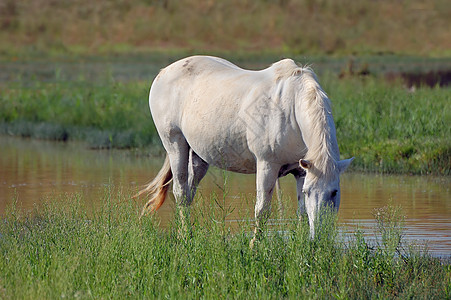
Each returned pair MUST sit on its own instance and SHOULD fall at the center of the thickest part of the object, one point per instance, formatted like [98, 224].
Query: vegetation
[40, 27]
[60, 250]
[391, 129]
[106, 115]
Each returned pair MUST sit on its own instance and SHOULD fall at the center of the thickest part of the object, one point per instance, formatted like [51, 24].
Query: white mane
[285, 69]
[322, 146]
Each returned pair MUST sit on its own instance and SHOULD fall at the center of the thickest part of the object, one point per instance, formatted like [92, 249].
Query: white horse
[272, 122]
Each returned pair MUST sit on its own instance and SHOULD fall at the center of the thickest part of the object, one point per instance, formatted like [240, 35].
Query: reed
[62, 250]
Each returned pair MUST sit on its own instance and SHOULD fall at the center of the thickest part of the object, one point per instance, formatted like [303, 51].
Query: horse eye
[333, 194]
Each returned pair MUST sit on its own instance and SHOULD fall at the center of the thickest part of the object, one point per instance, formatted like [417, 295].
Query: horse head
[321, 190]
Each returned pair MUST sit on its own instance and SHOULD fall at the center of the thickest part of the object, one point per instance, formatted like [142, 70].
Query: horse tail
[158, 188]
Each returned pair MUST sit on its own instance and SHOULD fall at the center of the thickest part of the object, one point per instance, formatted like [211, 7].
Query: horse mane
[285, 69]
[322, 146]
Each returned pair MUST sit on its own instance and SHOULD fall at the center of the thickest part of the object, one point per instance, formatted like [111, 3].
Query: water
[35, 171]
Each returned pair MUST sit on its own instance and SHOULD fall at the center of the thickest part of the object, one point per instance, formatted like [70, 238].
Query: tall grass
[60, 250]
[109, 114]
[391, 129]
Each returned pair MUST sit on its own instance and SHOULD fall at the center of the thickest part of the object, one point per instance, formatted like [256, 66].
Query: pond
[34, 171]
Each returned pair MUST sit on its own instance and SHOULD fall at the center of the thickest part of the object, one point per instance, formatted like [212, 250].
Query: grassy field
[106, 115]
[47, 27]
[61, 251]
[387, 127]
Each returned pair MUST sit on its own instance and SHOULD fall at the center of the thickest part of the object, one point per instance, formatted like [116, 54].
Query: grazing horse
[271, 122]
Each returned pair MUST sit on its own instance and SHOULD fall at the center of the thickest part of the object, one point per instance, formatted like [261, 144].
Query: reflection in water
[34, 170]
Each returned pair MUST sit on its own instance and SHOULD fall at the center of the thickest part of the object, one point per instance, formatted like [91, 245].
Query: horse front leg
[301, 201]
[267, 174]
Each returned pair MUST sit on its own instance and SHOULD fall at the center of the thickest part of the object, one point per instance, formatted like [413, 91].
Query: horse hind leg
[178, 152]
[188, 170]
[197, 168]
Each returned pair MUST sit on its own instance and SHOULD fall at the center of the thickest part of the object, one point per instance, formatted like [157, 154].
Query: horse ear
[305, 164]
[344, 164]
[297, 72]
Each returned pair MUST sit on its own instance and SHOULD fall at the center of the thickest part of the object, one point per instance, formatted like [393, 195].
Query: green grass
[390, 129]
[61, 250]
[106, 115]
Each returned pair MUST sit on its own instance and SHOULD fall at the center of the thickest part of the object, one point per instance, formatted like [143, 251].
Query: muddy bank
[440, 78]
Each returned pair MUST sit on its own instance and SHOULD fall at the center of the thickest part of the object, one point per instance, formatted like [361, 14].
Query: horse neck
[314, 117]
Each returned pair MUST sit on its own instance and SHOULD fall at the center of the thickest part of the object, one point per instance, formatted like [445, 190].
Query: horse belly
[220, 141]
